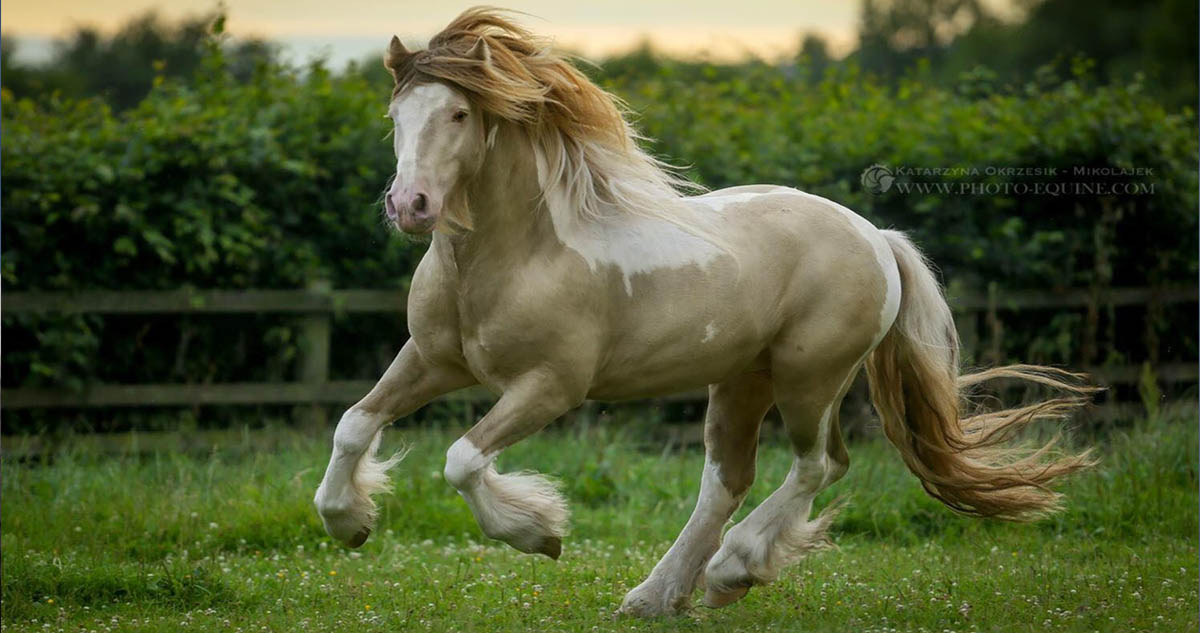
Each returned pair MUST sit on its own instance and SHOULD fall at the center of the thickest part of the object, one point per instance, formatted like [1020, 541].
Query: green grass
[229, 541]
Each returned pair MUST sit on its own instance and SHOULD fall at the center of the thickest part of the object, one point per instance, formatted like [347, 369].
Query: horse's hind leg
[735, 412]
[779, 531]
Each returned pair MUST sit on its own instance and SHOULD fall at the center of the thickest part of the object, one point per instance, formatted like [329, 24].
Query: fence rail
[319, 298]
[662, 437]
[186, 301]
[315, 307]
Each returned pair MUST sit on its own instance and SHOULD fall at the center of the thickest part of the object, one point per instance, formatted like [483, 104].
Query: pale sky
[352, 29]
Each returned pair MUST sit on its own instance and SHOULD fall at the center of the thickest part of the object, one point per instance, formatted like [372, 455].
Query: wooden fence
[976, 316]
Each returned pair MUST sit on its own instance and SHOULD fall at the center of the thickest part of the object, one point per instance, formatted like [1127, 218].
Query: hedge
[277, 181]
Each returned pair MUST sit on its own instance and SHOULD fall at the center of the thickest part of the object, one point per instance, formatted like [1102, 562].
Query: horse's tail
[960, 458]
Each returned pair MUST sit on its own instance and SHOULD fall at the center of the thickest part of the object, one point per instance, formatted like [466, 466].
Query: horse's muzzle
[416, 216]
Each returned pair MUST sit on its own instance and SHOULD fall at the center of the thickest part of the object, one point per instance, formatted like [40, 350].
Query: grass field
[229, 541]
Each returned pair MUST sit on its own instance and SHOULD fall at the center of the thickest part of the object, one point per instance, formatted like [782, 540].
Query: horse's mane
[589, 158]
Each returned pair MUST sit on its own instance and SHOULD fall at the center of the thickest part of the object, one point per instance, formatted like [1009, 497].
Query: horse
[566, 263]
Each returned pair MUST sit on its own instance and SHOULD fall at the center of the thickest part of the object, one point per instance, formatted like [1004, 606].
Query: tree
[814, 52]
[894, 34]
[1124, 38]
[122, 68]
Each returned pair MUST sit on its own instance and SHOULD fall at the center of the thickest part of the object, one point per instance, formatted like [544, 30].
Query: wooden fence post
[995, 326]
[967, 324]
[315, 330]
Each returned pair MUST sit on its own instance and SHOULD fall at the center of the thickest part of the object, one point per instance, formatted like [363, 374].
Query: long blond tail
[963, 459]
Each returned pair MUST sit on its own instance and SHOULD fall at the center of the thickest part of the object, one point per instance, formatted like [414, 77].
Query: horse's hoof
[644, 611]
[551, 546]
[718, 599]
[358, 539]
[647, 600]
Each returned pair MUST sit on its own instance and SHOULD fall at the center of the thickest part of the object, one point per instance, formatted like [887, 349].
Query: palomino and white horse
[566, 264]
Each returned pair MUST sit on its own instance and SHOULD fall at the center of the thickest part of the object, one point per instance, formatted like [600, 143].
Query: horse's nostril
[418, 203]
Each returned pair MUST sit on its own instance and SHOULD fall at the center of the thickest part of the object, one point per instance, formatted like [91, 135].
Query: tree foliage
[122, 67]
[1124, 38]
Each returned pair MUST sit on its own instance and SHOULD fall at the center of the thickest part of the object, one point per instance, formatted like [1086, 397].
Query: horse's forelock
[514, 75]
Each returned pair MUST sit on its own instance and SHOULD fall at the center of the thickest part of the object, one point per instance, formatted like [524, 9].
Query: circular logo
[877, 179]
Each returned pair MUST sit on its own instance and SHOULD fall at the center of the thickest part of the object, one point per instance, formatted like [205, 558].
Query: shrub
[276, 181]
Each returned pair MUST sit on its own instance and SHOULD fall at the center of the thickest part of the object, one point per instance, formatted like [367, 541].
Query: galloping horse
[568, 264]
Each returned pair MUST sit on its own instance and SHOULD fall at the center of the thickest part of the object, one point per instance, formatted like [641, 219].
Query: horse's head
[481, 74]
[439, 140]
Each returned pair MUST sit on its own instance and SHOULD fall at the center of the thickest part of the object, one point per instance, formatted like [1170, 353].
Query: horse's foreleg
[735, 412]
[354, 474]
[524, 510]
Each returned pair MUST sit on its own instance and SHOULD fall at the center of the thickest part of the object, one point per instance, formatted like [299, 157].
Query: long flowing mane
[588, 153]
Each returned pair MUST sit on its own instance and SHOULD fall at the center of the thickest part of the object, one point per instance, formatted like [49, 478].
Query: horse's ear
[480, 50]
[396, 57]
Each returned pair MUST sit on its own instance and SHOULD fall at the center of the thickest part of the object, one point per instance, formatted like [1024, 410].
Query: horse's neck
[504, 200]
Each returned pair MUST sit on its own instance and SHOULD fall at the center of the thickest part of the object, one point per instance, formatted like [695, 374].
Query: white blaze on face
[437, 141]
[412, 112]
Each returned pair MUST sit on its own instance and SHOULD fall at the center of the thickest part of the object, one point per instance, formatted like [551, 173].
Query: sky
[342, 30]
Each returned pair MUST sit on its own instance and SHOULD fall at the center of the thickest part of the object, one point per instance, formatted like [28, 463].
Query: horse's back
[820, 245]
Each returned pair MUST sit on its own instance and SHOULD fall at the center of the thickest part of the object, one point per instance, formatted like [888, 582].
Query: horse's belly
[640, 367]
[685, 328]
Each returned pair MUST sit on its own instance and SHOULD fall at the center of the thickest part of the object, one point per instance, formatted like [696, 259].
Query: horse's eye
[460, 116]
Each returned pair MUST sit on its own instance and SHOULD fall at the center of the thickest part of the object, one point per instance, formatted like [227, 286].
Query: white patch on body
[521, 509]
[355, 430]
[354, 474]
[632, 243]
[710, 332]
[718, 201]
[768, 539]
[464, 463]
[672, 580]
[713, 493]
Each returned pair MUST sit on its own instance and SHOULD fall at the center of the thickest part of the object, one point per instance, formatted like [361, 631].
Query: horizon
[350, 31]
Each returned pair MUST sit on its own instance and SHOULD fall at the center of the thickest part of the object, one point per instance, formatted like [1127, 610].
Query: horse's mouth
[415, 225]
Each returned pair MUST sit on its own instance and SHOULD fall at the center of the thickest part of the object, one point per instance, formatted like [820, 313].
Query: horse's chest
[494, 357]
[496, 338]
[511, 328]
